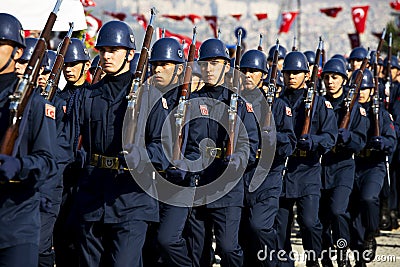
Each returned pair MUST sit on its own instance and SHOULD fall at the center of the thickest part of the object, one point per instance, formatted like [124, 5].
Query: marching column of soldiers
[251, 145]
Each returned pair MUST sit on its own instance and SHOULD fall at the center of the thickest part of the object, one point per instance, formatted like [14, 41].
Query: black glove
[177, 173]
[305, 142]
[232, 162]
[9, 168]
[344, 135]
[377, 143]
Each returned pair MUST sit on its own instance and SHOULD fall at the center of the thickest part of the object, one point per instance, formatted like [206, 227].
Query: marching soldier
[338, 165]
[302, 182]
[114, 211]
[205, 153]
[370, 173]
[76, 64]
[355, 58]
[34, 162]
[261, 206]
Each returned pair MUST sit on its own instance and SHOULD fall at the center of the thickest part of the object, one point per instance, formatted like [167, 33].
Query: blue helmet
[310, 55]
[11, 30]
[30, 44]
[134, 62]
[279, 78]
[295, 61]
[49, 60]
[167, 49]
[116, 33]
[335, 65]
[358, 53]
[341, 57]
[213, 48]
[367, 80]
[254, 59]
[281, 52]
[394, 62]
[76, 52]
[94, 62]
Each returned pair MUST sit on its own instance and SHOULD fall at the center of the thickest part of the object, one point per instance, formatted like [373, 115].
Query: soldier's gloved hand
[377, 143]
[268, 136]
[305, 142]
[177, 173]
[9, 168]
[344, 135]
[132, 159]
[233, 161]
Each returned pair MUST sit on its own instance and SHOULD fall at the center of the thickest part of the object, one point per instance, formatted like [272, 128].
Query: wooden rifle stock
[135, 93]
[260, 43]
[26, 85]
[272, 86]
[181, 111]
[232, 111]
[310, 98]
[97, 73]
[52, 82]
[353, 93]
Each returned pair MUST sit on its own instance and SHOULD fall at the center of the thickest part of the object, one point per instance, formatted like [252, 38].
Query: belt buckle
[214, 152]
[302, 153]
[109, 162]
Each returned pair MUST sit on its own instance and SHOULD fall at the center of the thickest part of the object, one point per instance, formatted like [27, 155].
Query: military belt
[215, 152]
[300, 153]
[365, 153]
[104, 162]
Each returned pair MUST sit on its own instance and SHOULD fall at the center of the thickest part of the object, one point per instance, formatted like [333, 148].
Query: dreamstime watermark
[296, 256]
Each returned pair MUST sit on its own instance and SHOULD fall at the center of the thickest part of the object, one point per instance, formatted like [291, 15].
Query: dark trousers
[310, 226]
[46, 253]
[172, 245]
[225, 221]
[112, 245]
[20, 255]
[257, 233]
[334, 215]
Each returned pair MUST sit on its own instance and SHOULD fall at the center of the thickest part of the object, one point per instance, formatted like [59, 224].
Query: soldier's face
[295, 79]
[213, 71]
[253, 78]
[355, 64]
[333, 84]
[44, 76]
[365, 95]
[20, 67]
[74, 71]
[113, 58]
[165, 73]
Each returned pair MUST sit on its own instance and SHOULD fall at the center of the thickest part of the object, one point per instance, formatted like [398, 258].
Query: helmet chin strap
[123, 63]
[10, 59]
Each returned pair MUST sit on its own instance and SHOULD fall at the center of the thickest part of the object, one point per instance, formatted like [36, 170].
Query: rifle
[352, 95]
[97, 73]
[260, 43]
[52, 82]
[20, 97]
[135, 93]
[294, 47]
[272, 86]
[388, 83]
[321, 83]
[180, 115]
[232, 111]
[309, 101]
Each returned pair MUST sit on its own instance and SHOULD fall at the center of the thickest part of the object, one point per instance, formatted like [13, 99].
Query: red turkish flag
[236, 16]
[93, 25]
[174, 17]
[118, 15]
[212, 20]
[287, 20]
[359, 14]
[194, 18]
[141, 19]
[354, 40]
[87, 3]
[331, 12]
[181, 39]
[261, 16]
[395, 5]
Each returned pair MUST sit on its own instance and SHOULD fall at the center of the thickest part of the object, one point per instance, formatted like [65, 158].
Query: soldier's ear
[131, 55]
[87, 66]
[179, 69]
[18, 53]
